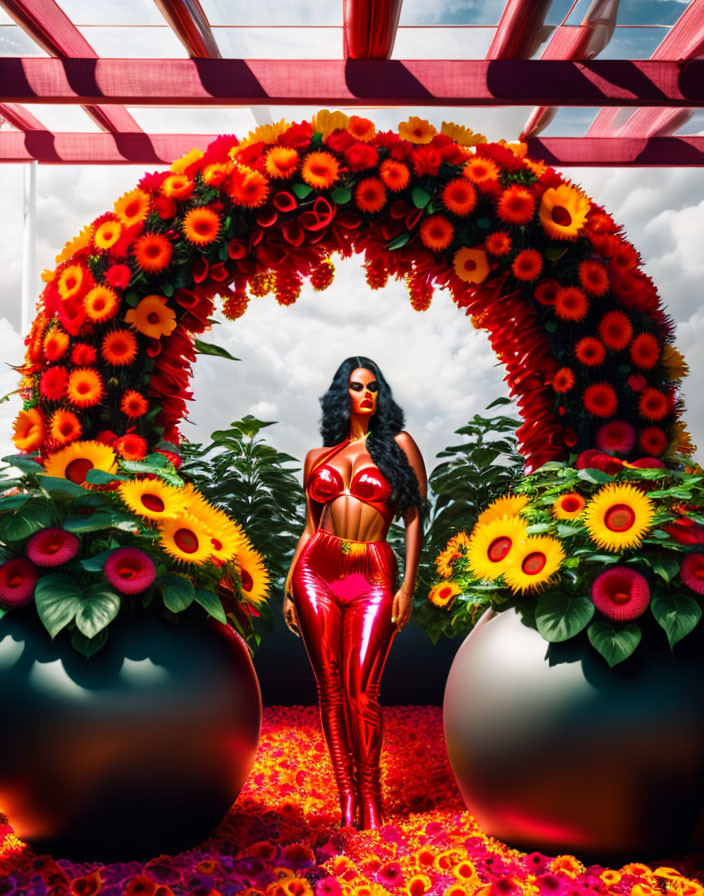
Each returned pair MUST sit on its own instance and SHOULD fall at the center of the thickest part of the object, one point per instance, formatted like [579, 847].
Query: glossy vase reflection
[554, 751]
[138, 751]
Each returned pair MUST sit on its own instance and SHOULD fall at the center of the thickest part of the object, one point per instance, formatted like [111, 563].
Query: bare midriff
[348, 517]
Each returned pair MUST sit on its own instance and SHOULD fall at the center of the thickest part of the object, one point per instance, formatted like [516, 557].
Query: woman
[340, 592]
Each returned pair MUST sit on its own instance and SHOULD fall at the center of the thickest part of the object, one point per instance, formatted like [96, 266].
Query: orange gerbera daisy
[213, 175]
[28, 430]
[153, 252]
[107, 234]
[394, 174]
[645, 351]
[480, 170]
[653, 404]
[361, 128]
[370, 195]
[459, 196]
[615, 330]
[590, 351]
[600, 400]
[281, 161]
[248, 188]
[471, 265]
[72, 281]
[65, 427]
[320, 169]
[563, 380]
[416, 130]
[133, 207]
[85, 387]
[201, 226]
[119, 347]
[498, 243]
[527, 265]
[177, 186]
[55, 343]
[101, 303]
[152, 317]
[516, 205]
[571, 303]
[436, 232]
[569, 506]
[563, 212]
[133, 404]
[593, 277]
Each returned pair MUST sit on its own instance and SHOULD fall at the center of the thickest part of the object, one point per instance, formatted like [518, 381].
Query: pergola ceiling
[641, 105]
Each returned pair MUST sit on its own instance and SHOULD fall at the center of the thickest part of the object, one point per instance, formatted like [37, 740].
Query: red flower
[652, 440]
[361, 156]
[600, 400]
[341, 140]
[653, 404]
[692, 571]
[527, 265]
[52, 547]
[615, 330]
[593, 277]
[616, 437]
[546, 292]
[590, 351]
[645, 351]
[118, 276]
[18, 578]
[426, 160]
[297, 136]
[621, 593]
[685, 531]
[131, 447]
[53, 383]
[130, 570]
[83, 355]
[563, 380]
[597, 460]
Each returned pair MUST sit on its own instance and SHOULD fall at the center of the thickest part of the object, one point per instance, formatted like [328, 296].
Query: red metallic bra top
[325, 483]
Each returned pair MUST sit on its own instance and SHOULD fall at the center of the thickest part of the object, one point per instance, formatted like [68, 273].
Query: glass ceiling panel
[263, 12]
[60, 118]
[165, 120]
[126, 12]
[634, 43]
[14, 42]
[458, 42]
[135, 43]
[451, 12]
[279, 43]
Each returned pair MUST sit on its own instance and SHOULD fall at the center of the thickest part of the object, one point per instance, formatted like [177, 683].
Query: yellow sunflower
[225, 534]
[416, 130]
[563, 212]
[265, 133]
[674, 362]
[460, 134]
[534, 562]
[180, 165]
[455, 547]
[133, 207]
[254, 575]
[185, 538]
[152, 498]
[506, 505]
[442, 594]
[76, 244]
[152, 317]
[74, 461]
[107, 234]
[326, 122]
[492, 545]
[568, 507]
[618, 516]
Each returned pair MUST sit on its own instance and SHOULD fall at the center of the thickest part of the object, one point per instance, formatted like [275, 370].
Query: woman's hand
[401, 607]
[290, 616]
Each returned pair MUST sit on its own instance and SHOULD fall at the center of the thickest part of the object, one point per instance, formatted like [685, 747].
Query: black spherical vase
[139, 750]
[554, 751]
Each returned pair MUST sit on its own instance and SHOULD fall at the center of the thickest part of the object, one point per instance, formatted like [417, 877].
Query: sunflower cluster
[591, 546]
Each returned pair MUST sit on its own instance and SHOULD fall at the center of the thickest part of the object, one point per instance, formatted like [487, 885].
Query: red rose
[251, 154]
[597, 460]
[106, 436]
[426, 160]
[131, 446]
[165, 206]
[83, 355]
[118, 276]
[339, 140]
[297, 136]
[361, 156]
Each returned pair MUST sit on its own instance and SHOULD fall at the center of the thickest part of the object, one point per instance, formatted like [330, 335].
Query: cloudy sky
[441, 370]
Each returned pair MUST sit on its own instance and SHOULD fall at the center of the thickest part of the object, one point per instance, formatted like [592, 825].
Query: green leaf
[89, 646]
[400, 240]
[177, 593]
[594, 476]
[614, 644]
[207, 348]
[420, 197]
[12, 503]
[98, 609]
[102, 477]
[341, 196]
[31, 518]
[52, 484]
[561, 616]
[211, 602]
[484, 223]
[102, 519]
[565, 530]
[302, 190]
[2, 612]
[132, 299]
[499, 402]
[665, 566]
[678, 614]
[141, 466]
[24, 462]
[96, 563]
[551, 326]
[58, 599]
[554, 253]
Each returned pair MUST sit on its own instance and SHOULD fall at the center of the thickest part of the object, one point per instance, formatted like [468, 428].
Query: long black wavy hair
[385, 423]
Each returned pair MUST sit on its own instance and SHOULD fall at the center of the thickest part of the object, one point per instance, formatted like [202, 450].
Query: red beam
[519, 30]
[191, 26]
[369, 28]
[162, 149]
[19, 117]
[352, 82]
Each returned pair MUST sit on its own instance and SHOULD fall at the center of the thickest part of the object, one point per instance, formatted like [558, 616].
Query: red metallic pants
[343, 592]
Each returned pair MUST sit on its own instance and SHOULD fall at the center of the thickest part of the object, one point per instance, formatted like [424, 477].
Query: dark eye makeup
[359, 387]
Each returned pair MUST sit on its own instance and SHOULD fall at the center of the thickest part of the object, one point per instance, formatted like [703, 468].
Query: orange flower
[134, 404]
[600, 400]
[152, 317]
[320, 169]
[615, 330]
[480, 170]
[72, 281]
[119, 347]
[201, 226]
[471, 265]
[281, 161]
[107, 234]
[29, 430]
[590, 351]
[248, 188]
[132, 208]
[498, 243]
[516, 205]
[571, 303]
[653, 404]
[213, 175]
[563, 212]
[527, 265]
[370, 195]
[546, 292]
[563, 380]
[178, 186]
[85, 387]
[55, 344]
[459, 196]
[653, 441]
[361, 128]
[153, 252]
[394, 174]
[65, 427]
[101, 303]
[416, 130]
[436, 232]
[645, 351]
[593, 277]
[569, 506]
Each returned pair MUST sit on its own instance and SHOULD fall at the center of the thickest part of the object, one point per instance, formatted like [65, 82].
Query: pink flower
[597, 460]
[18, 578]
[52, 547]
[692, 571]
[621, 593]
[130, 570]
[616, 437]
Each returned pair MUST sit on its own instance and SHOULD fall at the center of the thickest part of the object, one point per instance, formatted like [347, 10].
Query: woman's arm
[414, 533]
[312, 518]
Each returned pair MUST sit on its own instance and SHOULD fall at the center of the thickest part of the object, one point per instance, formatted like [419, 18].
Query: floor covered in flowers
[282, 837]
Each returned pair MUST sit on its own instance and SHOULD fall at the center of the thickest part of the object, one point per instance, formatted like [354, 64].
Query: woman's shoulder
[311, 459]
[405, 441]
